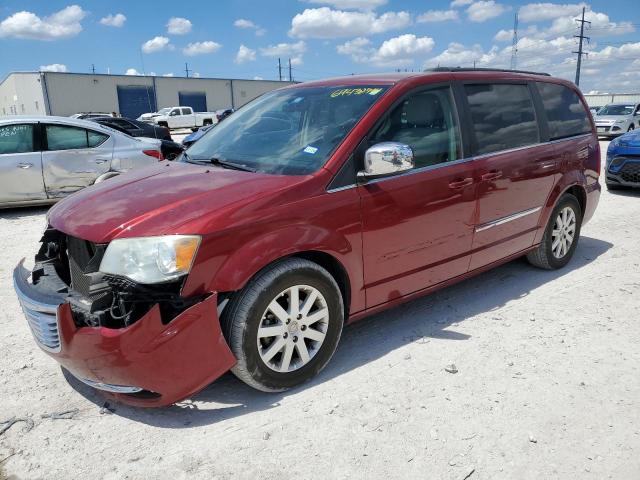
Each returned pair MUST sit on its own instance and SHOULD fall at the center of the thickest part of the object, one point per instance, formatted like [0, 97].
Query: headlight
[151, 259]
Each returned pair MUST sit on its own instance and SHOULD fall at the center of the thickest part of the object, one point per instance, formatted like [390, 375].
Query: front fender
[231, 272]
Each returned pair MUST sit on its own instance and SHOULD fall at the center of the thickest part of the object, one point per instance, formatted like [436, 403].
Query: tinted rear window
[503, 116]
[566, 114]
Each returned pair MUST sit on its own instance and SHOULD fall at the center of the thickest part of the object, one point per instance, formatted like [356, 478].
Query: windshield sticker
[345, 92]
[310, 150]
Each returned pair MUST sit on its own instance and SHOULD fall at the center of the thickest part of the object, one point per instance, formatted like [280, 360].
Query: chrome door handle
[492, 175]
[25, 165]
[465, 182]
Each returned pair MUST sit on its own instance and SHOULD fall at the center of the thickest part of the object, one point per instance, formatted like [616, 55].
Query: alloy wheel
[293, 328]
[563, 232]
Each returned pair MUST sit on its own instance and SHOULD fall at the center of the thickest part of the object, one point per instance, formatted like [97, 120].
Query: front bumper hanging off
[147, 364]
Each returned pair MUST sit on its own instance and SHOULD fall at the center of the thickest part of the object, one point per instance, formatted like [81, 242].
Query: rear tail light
[154, 153]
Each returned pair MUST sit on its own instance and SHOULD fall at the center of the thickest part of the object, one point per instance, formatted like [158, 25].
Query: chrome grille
[43, 321]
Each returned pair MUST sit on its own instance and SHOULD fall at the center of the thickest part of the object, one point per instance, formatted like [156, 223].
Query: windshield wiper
[231, 165]
[187, 158]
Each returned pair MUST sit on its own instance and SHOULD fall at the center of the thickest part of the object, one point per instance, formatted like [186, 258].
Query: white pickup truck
[179, 117]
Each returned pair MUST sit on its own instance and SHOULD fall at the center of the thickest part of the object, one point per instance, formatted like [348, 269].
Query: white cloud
[54, 67]
[327, 23]
[601, 25]
[170, 74]
[394, 52]
[460, 3]
[284, 49]
[132, 71]
[482, 11]
[433, 16]
[62, 24]
[352, 4]
[536, 12]
[116, 20]
[244, 23]
[156, 44]
[245, 54]
[258, 78]
[178, 26]
[201, 48]
[196, 75]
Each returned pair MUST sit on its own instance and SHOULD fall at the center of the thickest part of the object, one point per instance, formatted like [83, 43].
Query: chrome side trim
[108, 387]
[507, 219]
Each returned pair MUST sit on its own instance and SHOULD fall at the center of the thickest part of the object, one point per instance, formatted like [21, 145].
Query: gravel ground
[548, 386]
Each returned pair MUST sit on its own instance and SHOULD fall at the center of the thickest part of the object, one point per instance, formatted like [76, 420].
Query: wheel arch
[573, 183]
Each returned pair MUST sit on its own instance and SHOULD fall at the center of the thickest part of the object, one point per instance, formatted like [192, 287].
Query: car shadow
[367, 340]
[23, 212]
[626, 192]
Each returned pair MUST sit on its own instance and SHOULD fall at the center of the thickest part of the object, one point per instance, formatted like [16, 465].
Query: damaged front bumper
[148, 363]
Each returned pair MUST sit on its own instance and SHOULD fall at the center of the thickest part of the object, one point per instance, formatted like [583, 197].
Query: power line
[580, 52]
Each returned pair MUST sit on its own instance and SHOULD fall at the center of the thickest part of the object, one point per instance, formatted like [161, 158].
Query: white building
[63, 94]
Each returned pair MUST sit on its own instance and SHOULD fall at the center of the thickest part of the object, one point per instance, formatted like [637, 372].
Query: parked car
[135, 128]
[224, 113]
[193, 137]
[89, 115]
[43, 159]
[180, 117]
[313, 206]
[170, 149]
[617, 118]
[623, 162]
[594, 110]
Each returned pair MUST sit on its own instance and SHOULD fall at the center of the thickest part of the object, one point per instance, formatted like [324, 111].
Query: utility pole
[580, 52]
[514, 44]
[186, 69]
[279, 70]
[93, 69]
[290, 74]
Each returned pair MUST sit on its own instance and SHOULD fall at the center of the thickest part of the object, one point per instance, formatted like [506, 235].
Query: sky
[323, 38]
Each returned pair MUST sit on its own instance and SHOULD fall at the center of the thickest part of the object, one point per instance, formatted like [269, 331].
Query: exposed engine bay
[70, 266]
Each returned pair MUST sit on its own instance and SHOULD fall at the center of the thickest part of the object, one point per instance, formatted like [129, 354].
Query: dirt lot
[548, 386]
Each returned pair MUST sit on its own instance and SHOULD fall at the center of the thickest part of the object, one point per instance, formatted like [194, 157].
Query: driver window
[426, 121]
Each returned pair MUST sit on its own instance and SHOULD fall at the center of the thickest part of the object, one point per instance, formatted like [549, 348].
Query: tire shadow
[367, 340]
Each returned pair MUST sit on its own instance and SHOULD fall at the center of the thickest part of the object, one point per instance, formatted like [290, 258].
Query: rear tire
[276, 339]
[561, 235]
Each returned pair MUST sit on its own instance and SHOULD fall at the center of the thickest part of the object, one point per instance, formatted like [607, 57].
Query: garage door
[195, 100]
[134, 100]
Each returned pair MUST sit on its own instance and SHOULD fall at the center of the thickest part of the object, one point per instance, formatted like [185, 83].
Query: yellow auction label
[344, 92]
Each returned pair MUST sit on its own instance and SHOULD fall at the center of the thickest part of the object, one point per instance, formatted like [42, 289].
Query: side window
[95, 139]
[16, 138]
[175, 112]
[503, 116]
[427, 122]
[565, 113]
[186, 111]
[61, 137]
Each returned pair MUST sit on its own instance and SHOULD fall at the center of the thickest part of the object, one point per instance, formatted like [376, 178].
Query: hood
[167, 198]
[630, 139]
[610, 118]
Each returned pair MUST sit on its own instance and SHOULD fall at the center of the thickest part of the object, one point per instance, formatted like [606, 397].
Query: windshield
[616, 110]
[164, 111]
[290, 132]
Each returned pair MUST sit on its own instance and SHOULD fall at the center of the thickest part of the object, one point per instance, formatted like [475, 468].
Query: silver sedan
[43, 159]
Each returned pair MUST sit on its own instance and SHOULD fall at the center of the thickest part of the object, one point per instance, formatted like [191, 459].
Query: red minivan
[311, 207]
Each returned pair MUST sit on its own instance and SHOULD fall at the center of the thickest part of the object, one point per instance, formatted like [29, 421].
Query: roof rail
[472, 69]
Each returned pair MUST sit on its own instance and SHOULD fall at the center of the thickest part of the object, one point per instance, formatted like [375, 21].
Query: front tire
[284, 326]
[561, 235]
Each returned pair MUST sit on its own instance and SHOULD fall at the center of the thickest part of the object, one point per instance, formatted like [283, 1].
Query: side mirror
[386, 158]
